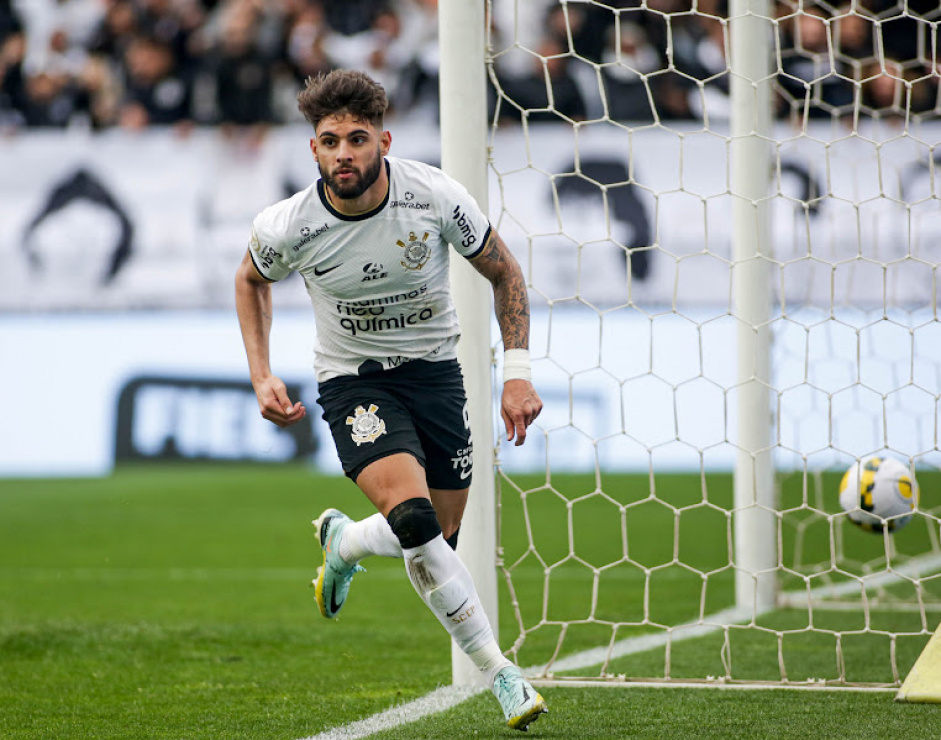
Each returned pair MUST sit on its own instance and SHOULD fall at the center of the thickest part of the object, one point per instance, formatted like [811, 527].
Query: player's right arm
[253, 305]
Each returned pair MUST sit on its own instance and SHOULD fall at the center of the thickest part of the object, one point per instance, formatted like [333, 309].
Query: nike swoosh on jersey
[319, 273]
[451, 614]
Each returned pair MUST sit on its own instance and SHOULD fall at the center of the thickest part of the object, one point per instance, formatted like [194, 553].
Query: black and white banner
[154, 221]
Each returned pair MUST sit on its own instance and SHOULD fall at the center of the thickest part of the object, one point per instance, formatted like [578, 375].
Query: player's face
[349, 152]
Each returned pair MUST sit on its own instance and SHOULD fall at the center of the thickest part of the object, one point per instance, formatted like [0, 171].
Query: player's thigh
[367, 423]
[391, 480]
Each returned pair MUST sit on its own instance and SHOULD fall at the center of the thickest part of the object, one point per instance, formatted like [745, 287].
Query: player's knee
[414, 522]
[452, 540]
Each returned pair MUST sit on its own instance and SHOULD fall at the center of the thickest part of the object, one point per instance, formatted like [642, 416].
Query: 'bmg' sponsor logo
[468, 232]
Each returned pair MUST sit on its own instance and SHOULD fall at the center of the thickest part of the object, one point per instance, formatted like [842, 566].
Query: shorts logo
[367, 427]
[463, 462]
[417, 251]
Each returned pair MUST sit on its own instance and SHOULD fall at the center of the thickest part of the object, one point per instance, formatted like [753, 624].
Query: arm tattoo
[511, 301]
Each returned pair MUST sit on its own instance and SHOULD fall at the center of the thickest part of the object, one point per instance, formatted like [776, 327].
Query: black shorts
[419, 407]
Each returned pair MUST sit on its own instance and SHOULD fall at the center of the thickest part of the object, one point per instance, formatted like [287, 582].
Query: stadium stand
[135, 63]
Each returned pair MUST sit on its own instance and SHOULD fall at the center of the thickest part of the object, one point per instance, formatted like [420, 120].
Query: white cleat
[521, 703]
[333, 579]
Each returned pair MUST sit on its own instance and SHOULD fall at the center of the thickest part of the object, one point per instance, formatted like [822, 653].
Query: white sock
[490, 661]
[369, 536]
[446, 586]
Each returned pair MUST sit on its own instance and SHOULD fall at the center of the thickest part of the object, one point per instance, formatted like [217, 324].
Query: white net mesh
[612, 133]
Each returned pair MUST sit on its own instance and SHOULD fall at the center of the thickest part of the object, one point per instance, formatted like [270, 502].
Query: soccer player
[370, 239]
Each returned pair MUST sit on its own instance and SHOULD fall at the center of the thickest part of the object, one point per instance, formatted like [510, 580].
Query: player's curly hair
[343, 91]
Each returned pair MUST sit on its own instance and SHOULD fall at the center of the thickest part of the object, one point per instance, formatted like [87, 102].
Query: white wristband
[516, 365]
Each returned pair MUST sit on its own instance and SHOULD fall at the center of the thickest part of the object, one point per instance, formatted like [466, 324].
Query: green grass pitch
[174, 603]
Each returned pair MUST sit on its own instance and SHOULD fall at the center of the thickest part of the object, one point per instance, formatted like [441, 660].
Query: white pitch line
[446, 697]
[439, 700]
[910, 569]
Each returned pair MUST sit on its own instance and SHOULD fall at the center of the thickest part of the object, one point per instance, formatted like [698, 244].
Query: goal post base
[714, 684]
[923, 683]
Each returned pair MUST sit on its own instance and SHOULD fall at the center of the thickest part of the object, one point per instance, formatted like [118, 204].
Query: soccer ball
[879, 493]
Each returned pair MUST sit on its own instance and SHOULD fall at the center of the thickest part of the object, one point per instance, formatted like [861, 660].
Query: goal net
[728, 217]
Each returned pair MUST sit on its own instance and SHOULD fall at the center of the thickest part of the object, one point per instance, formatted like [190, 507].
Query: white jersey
[378, 281]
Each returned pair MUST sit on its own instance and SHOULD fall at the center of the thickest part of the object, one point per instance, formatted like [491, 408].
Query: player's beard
[355, 188]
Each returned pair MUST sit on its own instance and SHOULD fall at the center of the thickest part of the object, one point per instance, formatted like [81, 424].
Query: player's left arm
[520, 403]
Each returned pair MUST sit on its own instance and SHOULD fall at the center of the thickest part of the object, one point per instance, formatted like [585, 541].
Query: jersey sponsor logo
[468, 231]
[409, 202]
[374, 271]
[376, 306]
[379, 314]
[321, 273]
[367, 427]
[307, 235]
[265, 253]
[382, 322]
[399, 360]
[417, 252]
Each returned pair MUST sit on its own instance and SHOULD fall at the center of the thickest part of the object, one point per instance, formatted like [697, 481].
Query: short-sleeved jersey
[378, 281]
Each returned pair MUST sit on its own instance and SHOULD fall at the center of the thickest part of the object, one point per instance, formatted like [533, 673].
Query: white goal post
[463, 106]
[749, 184]
[729, 221]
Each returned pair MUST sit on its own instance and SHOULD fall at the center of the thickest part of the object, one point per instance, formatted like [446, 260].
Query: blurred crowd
[240, 63]
[652, 60]
[134, 63]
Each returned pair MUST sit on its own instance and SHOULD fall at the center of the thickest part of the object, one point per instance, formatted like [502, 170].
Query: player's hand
[521, 405]
[274, 403]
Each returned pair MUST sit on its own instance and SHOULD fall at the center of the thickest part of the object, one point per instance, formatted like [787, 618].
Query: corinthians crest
[416, 251]
[367, 427]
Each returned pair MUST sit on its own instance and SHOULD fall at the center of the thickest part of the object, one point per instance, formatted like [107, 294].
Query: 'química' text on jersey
[378, 281]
